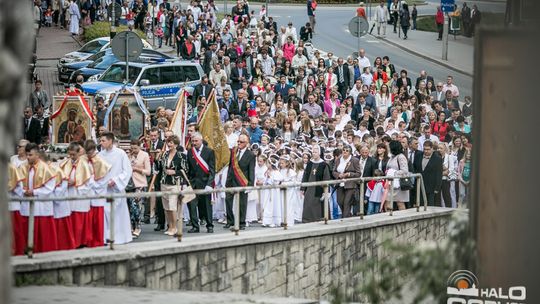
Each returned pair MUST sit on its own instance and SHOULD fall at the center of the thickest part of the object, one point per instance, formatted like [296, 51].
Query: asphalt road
[332, 35]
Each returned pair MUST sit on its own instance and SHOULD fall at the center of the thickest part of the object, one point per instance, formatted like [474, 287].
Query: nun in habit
[316, 170]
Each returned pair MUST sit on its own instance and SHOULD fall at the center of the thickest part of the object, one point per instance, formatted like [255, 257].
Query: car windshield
[96, 56]
[92, 46]
[103, 63]
[117, 73]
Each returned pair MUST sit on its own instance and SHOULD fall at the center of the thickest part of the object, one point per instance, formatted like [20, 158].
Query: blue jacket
[255, 135]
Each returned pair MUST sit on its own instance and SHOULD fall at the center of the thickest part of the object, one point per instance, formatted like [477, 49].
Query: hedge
[427, 23]
[103, 29]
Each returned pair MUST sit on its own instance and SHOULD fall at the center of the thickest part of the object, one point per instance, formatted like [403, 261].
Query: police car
[157, 83]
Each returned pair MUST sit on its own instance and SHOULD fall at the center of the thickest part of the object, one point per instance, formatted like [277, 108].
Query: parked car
[92, 47]
[157, 83]
[66, 69]
[100, 65]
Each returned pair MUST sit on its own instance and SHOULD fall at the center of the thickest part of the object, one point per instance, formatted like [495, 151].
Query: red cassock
[81, 226]
[19, 225]
[45, 237]
[97, 227]
[64, 229]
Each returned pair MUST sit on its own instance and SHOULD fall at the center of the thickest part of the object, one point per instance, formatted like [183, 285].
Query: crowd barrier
[419, 184]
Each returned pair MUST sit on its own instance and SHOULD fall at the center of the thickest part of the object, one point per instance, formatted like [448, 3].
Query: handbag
[191, 196]
[405, 183]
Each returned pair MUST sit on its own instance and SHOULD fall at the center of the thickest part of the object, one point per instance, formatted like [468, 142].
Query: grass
[427, 23]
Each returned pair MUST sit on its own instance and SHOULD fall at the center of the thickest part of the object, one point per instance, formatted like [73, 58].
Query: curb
[446, 65]
[78, 42]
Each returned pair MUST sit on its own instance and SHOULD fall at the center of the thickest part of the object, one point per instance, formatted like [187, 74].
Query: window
[171, 74]
[190, 73]
[152, 75]
[92, 47]
[117, 73]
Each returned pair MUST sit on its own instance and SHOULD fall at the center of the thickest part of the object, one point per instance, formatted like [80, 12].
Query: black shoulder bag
[405, 183]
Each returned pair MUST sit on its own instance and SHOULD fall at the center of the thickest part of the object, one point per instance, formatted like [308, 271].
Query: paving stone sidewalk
[426, 45]
[52, 44]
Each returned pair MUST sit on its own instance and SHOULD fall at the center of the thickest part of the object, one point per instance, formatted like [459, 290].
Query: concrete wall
[302, 262]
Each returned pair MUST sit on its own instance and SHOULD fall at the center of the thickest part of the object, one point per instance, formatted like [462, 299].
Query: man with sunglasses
[241, 174]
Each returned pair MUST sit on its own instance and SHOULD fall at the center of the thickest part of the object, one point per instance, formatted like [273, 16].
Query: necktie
[203, 90]
[341, 74]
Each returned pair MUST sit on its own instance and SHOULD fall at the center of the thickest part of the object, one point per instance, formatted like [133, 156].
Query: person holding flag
[201, 162]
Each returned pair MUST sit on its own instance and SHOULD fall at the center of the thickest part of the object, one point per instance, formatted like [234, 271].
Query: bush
[103, 29]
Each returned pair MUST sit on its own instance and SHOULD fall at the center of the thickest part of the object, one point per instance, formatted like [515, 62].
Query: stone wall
[301, 262]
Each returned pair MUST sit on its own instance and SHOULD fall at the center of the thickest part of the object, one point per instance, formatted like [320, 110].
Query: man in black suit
[238, 75]
[430, 164]
[32, 127]
[202, 170]
[240, 105]
[367, 168]
[282, 87]
[410, 150]
[43, 122]
[343, 76]
[154, 151]
[202, 89]
[242, 162]
[367, 163]
[423, 77]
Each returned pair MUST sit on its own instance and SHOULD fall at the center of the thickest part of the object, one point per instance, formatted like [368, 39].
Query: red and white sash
[200, 161]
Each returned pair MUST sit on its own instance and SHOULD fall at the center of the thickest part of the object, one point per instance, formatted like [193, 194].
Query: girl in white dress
[272, 205]
[298, 199]
[289, 177]
[260, 171]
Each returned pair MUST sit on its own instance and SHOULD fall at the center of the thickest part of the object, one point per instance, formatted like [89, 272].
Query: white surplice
[40, 208]
[120, 173]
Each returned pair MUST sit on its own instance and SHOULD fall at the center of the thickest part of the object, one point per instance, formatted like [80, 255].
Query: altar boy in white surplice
[118, 178]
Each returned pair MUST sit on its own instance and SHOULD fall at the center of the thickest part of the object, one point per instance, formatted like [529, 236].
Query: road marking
[372, 41]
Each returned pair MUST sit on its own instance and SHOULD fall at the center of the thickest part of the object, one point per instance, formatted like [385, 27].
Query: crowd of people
[289, 114]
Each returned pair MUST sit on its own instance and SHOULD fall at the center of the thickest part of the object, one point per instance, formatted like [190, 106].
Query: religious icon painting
[71, 119]
[126, 116]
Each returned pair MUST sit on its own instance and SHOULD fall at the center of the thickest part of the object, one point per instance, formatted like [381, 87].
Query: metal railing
[420, 189]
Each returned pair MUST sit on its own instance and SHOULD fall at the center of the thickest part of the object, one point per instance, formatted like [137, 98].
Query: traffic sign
[127, 46]
[358, 26]
[447, 6]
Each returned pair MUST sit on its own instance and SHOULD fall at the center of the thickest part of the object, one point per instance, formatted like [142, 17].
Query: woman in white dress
[289, 178]
[383, 100]
[272, 205]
